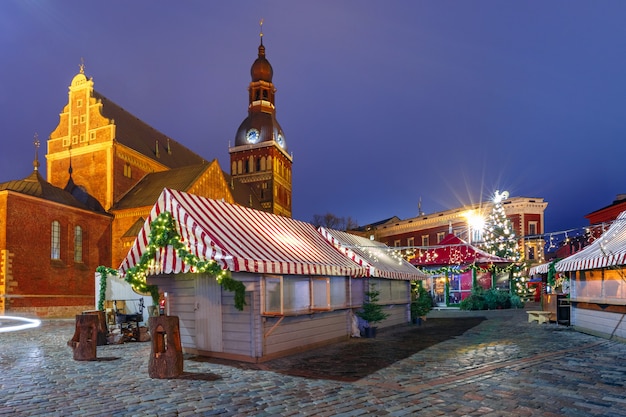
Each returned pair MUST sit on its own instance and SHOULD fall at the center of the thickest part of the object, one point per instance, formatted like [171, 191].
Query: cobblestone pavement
[502, 366]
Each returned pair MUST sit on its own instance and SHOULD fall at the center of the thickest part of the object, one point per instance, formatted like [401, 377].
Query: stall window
[391, 291]
[297, 294]
[273, 300]
[614, 284]
[320, 299]
[599, 284]
[588, 284]
[339, 292]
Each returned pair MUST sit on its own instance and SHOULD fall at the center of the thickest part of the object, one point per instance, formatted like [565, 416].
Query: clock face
[252, 136]
[281, 141]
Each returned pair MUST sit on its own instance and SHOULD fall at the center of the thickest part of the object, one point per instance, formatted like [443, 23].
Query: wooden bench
[538, 316]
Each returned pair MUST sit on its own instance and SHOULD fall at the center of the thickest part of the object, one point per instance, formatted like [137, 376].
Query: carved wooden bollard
[166, 356]
[103, 330]
[85, 340]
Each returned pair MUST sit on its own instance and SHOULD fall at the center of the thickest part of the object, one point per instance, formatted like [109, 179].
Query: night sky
[383, 103]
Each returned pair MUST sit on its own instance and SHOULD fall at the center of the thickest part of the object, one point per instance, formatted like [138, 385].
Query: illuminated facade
[525, 214]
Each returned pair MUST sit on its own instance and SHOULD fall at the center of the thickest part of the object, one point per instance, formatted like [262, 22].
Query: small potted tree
[371, 312]
[421, 305]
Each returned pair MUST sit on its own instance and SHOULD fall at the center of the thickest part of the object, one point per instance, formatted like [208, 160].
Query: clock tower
[260, 159]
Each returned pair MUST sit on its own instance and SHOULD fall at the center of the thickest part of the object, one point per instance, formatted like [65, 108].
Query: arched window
[78, 244]
[55, 241]
[262, 164]
[239, 167]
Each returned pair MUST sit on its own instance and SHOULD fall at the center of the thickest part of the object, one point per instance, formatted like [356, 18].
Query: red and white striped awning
[376, 256]
[239, 239]
[608, 250]
[539, 269]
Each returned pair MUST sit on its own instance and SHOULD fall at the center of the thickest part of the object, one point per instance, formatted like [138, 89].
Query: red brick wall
[37, 283]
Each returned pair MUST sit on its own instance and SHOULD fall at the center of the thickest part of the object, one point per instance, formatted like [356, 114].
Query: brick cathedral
[105, 170]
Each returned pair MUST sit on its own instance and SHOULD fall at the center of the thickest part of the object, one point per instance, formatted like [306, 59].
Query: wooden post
[166, 356]
[85, 340]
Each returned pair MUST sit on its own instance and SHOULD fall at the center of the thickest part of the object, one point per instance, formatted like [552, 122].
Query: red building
[526, 215]
[51, 243]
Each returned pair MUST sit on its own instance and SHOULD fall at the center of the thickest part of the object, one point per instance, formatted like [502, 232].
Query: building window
[55, 241]
[74, 140]
[78, 244]
[440, 236]
[92, 135]
[82, 137]
[82, 118]
[127, 170]
[532, 228]
[75, 120]
[396, 243]
[425, 240]
[79, 102]
[410, 241]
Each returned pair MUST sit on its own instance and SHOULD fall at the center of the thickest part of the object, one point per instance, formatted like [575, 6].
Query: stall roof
[608, 250]
[375, 256]
[539, 269]
[240, 239]
[454, 251]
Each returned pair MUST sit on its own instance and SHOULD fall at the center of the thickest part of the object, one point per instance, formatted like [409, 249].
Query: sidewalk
[499, 366]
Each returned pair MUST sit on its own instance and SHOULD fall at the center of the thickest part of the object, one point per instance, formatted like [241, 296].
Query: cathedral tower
[260, 158]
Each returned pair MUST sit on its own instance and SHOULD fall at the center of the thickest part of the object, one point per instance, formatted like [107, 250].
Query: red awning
[239, 239]
[379, 258]
[454, 251]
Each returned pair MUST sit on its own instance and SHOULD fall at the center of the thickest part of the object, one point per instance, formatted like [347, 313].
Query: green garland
[163, 233]
[456, 269]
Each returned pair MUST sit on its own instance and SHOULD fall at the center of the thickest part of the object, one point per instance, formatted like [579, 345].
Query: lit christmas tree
[498, 236]
[500, 240]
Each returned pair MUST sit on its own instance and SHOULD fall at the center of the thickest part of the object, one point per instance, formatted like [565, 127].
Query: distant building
[105, 170]
[526, 214]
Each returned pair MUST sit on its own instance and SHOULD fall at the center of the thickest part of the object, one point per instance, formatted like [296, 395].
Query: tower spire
[261, 34]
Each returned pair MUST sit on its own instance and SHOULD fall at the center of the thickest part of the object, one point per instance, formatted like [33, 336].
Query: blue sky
[382, 103]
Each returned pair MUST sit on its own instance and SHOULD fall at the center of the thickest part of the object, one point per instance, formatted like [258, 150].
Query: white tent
[606, 251]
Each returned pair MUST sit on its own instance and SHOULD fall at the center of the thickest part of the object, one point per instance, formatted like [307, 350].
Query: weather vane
[36, 143]
[81, 67]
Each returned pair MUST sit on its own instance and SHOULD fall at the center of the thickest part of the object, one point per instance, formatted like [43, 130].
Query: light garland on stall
[162, 234]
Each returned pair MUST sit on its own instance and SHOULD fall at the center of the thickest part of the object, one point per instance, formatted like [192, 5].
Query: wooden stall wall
[599, 323]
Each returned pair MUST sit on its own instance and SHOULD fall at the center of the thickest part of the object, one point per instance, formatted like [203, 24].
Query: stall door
[439, 290]
[208, 309]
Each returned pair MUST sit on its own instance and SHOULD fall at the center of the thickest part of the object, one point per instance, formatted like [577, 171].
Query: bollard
[103, 330]
[166, 356]
[85, 340]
